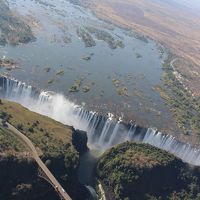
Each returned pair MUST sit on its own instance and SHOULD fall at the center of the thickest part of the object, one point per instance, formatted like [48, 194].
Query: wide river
[59, 57]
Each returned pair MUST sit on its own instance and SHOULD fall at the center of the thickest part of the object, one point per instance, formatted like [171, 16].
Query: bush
[20, 127]
[31, 130]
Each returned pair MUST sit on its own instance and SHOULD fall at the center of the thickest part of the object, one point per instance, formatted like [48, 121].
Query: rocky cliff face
[79, 140]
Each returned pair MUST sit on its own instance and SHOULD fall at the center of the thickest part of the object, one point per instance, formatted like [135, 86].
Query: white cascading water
[103, 132]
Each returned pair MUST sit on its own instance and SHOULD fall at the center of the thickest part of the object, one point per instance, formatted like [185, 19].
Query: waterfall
[114, 134]
[103, 131]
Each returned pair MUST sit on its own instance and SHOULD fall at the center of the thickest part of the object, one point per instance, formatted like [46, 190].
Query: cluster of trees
[106, 37]
[9, 143]
[140, 171]
[185, 108]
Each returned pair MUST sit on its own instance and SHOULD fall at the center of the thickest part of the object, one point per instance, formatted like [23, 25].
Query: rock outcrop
[79, 140]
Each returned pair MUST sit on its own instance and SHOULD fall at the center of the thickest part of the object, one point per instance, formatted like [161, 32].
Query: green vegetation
[54, 143]
[141, 38]
[129, 77]
[105, 36]
[66, 39]
[60, 72]
[9, 64]
[3, 41]
[44, 3]
[13, 30]
[86, 37]
[86, 88]
[75, 2]
[76, 86]
[162, 92]
[9, 143]
[121, 90]
[139, 94]
[47, 69]
[87, 57]
[138, 55]
[52, 138]
[185, 107]
[137, 36]
[142, 76]
[116, 82]
[140, 171]
[50, 81]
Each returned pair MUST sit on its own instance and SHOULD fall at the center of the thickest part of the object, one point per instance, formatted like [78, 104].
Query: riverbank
[137, 16]
[182, 102]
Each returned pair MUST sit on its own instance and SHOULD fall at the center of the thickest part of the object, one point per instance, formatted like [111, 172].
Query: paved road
[50, 176]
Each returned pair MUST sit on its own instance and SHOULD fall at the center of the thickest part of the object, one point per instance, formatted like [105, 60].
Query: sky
[195, 4]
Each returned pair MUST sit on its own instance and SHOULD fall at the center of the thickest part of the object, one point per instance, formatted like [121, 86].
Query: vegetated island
[106, 37]
[8, 64]
[138, 171]
[59, 147]
[13, 29]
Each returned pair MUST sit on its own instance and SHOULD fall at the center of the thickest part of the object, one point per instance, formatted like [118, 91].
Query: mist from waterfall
[103, 131]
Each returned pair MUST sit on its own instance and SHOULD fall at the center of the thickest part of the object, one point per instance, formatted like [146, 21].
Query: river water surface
[136, 65]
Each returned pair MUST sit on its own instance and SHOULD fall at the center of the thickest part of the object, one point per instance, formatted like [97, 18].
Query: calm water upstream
[137, 66]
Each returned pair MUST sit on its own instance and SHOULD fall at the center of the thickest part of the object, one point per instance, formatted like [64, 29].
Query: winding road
[59, 189]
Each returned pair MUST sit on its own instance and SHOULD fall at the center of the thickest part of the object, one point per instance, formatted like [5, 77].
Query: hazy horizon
[195, 4]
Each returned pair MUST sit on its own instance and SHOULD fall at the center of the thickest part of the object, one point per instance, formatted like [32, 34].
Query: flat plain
[173, 23]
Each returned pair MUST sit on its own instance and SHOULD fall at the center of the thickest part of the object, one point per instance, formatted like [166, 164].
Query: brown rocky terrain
[171, 23]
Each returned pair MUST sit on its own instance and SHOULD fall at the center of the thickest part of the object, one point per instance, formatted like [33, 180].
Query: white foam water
[103, 131]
